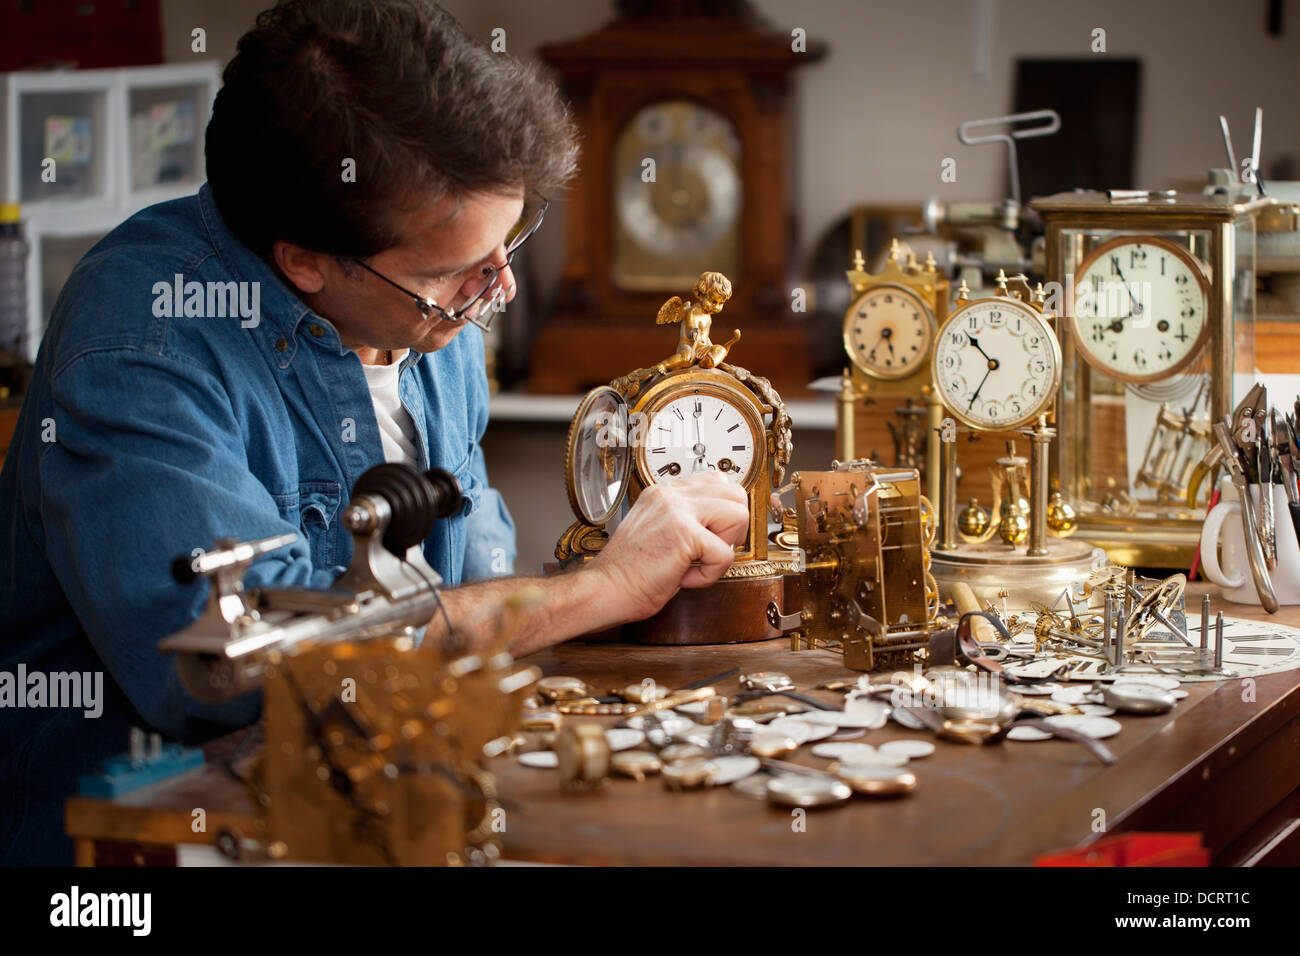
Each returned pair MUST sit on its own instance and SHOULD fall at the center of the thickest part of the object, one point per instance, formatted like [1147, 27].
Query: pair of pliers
[1250, 521]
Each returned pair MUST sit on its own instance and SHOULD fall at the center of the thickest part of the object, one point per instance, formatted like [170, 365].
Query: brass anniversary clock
[997, 368]
[1157, 296]
[692, 413]
[889, 335]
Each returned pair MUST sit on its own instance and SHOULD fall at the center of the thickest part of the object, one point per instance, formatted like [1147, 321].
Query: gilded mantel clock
[689, 414]
[684, 114]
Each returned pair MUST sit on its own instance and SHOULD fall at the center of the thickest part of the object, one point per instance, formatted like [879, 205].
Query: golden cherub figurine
[694, 347]
[711, 290]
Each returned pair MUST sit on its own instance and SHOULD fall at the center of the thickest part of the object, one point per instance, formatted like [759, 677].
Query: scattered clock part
[801, 729]
[843, 751]
[729, 770]
[674, 753]
[1133, 698]
[583, 755]
[771, 745]
[637, 764]
[875, 781]
[540, 759]
[693, 773]
[1098, 728]
[769, 681]
[797, 790]
[1026, 734]
[624, 738]
[912, 749]
[562, 688]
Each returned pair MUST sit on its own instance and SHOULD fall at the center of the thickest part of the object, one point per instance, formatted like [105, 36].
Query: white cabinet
[84, 149]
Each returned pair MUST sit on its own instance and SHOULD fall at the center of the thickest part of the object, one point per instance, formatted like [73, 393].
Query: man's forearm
[537, 612]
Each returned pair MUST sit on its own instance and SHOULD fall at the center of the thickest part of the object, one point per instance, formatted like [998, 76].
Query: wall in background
[879, 114]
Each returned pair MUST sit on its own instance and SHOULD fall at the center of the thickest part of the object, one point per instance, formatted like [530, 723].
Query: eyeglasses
[480, 307]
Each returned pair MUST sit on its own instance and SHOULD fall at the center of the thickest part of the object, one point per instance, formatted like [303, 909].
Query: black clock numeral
[658, 451]
[733, 427]
[678, 413]
[1114, 265]
[1163, 260]
[1098, 332]
[739, 447]
[1182, 333]
[1139, 359]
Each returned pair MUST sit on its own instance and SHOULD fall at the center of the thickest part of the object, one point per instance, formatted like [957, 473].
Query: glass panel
[601, 455]
[1140, 315]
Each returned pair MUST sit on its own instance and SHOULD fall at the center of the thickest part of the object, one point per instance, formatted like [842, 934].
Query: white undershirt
[396, 428]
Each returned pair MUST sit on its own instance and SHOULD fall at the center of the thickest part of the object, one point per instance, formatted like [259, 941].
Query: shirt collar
[281, 311]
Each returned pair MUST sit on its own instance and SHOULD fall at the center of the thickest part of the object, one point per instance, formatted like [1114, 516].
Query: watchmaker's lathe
[376, 741]
[997, 367]
[692, 413]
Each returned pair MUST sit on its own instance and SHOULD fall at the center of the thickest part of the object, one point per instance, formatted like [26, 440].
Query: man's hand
[679, 534]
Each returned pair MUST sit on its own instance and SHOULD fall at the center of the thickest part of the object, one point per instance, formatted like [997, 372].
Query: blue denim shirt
[145, 436]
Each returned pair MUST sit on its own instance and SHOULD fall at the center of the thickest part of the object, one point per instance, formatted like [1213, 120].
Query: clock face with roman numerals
[888, 332]
[1140, 308]
[997, 363]
[696, 432]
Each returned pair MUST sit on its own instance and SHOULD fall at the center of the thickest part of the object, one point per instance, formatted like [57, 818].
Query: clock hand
[971, 404]
[975, 342]
[876, 346]
[1117, 326]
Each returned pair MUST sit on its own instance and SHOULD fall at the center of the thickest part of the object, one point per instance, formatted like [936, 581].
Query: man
[228, 365]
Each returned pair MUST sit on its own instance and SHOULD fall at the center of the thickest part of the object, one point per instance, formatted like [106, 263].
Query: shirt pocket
[318, 507]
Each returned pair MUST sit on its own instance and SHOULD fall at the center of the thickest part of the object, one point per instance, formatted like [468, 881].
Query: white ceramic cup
[1229, 567]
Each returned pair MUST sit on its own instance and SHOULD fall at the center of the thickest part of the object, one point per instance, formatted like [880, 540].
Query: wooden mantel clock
[684, 113]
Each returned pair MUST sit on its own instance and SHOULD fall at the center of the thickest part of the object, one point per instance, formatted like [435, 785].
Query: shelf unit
[120, 140]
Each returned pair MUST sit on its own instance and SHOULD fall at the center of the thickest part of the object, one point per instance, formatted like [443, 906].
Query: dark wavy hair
[398, 87]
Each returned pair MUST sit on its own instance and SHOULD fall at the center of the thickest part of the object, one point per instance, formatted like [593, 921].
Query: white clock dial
[699, 433]
[996, 363]
[1140, 309]
[888, 332]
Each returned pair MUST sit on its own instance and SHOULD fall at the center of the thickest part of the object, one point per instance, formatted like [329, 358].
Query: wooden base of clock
[732, 611]
[571, 357]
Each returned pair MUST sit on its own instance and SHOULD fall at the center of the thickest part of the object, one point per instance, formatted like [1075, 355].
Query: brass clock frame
[852, 314]
[1032, 314]
[1152, 534]
[721, 384]
[1198, 270]
[923, 282]
[859, 386]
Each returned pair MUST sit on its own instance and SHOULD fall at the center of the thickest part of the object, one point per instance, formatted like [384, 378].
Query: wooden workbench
[1218, 764]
